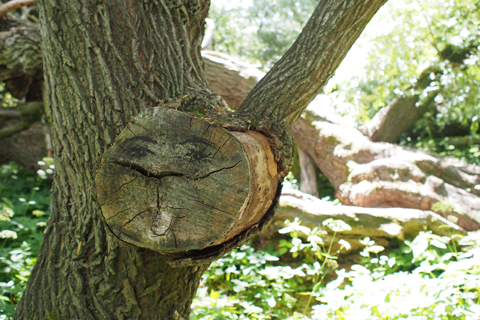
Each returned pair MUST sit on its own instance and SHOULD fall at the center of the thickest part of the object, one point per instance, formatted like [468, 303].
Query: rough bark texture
[369, 174]
[104, 62]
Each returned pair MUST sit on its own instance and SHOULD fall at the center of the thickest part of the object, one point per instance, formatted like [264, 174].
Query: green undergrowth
[24, 202]
[431, 277]
[296, 276]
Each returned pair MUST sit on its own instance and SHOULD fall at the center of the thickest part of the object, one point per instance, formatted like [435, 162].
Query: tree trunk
[308, 176]
[107, 67]
[104, 64]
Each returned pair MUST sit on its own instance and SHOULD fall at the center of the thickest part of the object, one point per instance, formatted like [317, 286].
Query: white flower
[345, 244]
[336, 225]
[42, 174]
[7, 234]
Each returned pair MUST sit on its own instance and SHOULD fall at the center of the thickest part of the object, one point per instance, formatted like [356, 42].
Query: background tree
[429, 53]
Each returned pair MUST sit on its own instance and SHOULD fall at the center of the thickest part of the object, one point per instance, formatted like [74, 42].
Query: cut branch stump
[174, 183]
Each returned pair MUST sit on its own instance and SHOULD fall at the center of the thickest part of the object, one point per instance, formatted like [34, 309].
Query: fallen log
[370, 174]
[383, 225]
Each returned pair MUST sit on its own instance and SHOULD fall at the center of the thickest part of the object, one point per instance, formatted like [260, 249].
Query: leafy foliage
[427, 278]
[251, 284]
[262, 32]
[444, 285]
[24, 201]
[428, 48]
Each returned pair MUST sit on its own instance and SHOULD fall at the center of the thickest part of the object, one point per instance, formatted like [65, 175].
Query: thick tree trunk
[103, 64]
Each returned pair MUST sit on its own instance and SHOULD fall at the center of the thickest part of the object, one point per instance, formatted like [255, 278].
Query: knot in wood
[173, 183]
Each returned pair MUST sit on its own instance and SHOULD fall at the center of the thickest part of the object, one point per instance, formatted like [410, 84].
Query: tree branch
[464, 141]
[299, 76]
[14, 4]
[11, 130]
[29, 113]
[8, 113]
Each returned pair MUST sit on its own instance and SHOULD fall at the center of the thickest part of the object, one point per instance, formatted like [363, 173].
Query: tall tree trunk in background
[115, 69]
[308, 176]
[390, 122]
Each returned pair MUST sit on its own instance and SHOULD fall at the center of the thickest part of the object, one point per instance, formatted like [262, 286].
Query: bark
[370, 174]
[103, 64]
[308, 176]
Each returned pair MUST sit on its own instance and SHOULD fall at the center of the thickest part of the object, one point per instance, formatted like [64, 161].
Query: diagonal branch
[299, 76]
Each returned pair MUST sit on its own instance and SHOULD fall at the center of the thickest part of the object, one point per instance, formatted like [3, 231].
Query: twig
[14, 4]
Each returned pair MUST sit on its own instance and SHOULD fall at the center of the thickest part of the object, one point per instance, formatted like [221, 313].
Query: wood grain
[173, 183]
